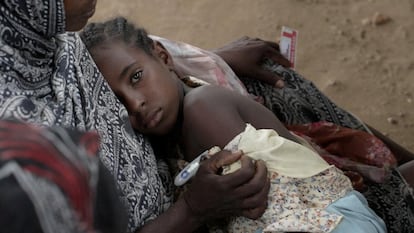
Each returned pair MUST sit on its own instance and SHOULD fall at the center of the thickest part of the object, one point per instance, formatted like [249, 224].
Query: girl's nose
[135, 104]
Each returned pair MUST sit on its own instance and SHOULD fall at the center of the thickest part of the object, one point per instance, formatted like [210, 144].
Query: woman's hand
[246, 55]
[243, 192]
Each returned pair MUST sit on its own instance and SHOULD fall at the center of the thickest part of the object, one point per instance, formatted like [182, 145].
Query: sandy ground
[366, 67]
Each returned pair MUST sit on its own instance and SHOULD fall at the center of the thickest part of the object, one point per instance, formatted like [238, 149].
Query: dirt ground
[358, 52]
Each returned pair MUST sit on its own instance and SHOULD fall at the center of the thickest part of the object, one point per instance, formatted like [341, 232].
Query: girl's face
[77, 13]
[146, 85]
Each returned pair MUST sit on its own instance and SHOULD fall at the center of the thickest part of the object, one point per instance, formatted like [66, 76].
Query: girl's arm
[213, 116]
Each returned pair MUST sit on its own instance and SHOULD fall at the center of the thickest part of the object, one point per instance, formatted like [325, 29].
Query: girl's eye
[136, 77]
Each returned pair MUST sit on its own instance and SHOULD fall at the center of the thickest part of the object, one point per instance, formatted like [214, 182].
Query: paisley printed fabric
[48, 78]
[300, 101]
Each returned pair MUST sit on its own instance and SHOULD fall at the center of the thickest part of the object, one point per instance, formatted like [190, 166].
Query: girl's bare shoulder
[210, 116]
[210, 95]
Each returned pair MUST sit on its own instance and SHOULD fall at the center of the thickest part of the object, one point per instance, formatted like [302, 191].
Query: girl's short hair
[117, 29]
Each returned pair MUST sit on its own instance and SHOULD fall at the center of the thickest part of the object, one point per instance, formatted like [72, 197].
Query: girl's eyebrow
[126, 69]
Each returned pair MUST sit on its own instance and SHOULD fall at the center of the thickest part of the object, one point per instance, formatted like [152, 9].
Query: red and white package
[287, 44]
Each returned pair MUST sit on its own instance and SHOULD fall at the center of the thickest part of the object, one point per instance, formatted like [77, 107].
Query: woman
[48, 78]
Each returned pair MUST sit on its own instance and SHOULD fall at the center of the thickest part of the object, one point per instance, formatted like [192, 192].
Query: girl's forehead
[121, 47]
[110, 49]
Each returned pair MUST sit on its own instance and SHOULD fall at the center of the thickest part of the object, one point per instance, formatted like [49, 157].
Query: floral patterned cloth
[294, 204]
[298, 205]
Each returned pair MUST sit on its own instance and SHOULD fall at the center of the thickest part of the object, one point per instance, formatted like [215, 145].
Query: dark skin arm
[207, 124]
[203, 117]
[245, 56]
[211, 195]
[178, 218]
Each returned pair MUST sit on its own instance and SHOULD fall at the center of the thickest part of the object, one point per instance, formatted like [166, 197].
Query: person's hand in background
[246, 56]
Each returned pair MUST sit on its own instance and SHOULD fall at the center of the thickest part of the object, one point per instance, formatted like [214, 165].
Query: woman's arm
[246, 55]
[178, 218]
[211, 195]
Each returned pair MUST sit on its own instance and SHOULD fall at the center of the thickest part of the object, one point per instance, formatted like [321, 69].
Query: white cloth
[281, 155]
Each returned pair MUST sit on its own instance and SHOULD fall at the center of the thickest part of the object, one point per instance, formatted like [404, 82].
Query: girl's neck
[166, 145]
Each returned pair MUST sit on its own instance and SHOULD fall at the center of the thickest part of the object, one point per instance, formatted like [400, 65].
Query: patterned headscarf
[49, 180]
[49, 78]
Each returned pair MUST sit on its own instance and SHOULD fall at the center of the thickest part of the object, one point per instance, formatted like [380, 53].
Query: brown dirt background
[366, 68]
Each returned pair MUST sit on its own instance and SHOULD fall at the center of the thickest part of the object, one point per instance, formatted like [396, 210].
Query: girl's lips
[153, 119]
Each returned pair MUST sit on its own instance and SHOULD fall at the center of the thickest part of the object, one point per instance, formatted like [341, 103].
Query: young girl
[306, 193]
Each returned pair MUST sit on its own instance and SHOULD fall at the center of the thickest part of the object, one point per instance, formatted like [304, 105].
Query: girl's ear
[163, 54]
